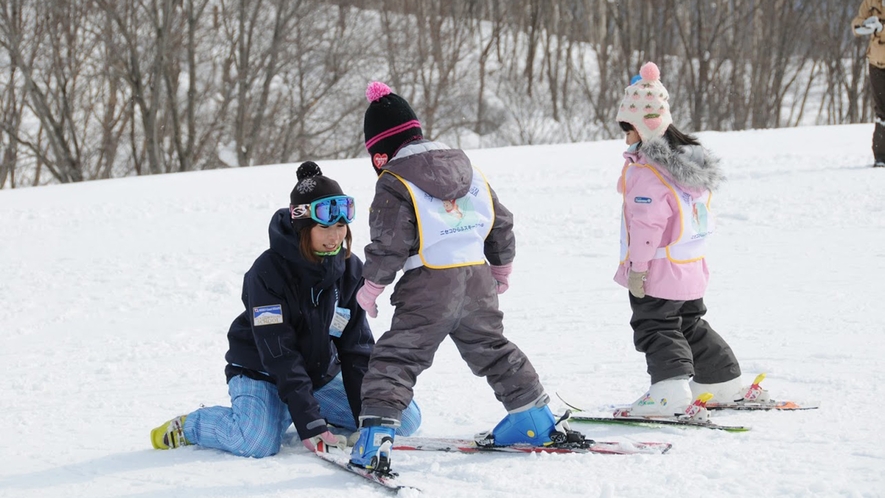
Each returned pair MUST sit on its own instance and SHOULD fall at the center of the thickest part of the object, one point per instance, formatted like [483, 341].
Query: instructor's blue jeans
[255, 423]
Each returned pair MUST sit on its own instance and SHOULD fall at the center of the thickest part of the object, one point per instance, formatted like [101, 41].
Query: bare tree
[48, 49]
[138, 35]
[701, 26]
[841, 58]
[259, 36]
[597, 75]
[431, 38]
[185, 35]
[154, 86]
[325, 52]
[10, 120]
[486, 28]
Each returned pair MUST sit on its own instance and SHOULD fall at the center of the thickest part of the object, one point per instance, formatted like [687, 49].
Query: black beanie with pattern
[311, 186]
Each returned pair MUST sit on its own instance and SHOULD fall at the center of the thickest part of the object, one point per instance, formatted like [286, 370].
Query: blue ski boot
[372, 449]
[533, 426]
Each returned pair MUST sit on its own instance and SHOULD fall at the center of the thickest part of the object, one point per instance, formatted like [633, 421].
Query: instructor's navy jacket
[284, 335]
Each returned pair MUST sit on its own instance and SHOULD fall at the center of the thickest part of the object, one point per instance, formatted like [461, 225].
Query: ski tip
[573, 407]
[797, 405]
[766, 405]
[736, 428]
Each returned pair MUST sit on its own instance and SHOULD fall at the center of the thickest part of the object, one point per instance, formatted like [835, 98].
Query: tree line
[93, 89]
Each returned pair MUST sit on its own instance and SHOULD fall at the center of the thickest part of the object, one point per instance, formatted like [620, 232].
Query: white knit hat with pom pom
[646, 104]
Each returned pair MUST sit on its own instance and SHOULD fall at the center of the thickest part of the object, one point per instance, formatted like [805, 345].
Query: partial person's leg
[251, 427]
[425, 314]
[480, 340]
[877, 84]
[410, 420]
[335, 408]
[657, 332]
[423, 318]
[716, 368]
[713, 359]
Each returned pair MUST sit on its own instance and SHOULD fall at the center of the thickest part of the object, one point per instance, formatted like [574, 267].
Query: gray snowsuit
[430, 303]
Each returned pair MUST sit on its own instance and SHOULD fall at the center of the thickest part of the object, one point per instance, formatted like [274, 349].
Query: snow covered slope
[117, 295]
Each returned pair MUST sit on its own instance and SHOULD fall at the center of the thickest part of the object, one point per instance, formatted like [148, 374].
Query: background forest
[93, 89]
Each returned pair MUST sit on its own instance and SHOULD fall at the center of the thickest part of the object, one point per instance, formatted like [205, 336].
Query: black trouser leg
[877, 84]
[714, 361]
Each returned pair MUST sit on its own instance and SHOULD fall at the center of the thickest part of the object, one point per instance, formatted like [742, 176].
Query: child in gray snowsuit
[435, 217]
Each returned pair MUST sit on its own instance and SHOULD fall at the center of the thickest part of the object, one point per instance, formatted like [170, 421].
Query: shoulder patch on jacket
[642, 200]
[267, 315]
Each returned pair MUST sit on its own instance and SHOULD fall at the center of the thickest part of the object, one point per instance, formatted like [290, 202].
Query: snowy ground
[117, 295]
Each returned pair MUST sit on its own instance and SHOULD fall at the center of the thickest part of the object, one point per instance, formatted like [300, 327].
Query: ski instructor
[300, 349]
[869, 23]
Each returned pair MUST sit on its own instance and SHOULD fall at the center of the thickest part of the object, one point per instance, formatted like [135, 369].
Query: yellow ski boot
[170, 435]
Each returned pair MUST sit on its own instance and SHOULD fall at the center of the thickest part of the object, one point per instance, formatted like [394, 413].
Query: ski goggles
[327, 211]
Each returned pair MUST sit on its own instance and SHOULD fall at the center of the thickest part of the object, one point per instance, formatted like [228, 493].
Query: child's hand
[366, 297]
[502, 277]
[636, 283]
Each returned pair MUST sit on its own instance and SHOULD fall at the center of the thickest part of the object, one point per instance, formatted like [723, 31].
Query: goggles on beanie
[326, 211]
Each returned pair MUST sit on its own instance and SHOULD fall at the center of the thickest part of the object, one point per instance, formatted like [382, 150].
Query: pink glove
[367, 295]
[502, 276]
[327, 438]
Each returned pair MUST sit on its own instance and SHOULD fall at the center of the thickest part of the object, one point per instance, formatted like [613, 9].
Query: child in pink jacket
[666, 184]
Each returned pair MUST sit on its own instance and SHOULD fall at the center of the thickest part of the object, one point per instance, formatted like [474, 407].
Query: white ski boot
[667, 398]
[732, 392]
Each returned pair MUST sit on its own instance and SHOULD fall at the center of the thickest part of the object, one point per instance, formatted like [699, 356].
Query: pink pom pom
[650, 72]
[376, 90]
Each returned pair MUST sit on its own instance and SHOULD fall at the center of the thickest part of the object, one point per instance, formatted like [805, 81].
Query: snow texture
[117, 296]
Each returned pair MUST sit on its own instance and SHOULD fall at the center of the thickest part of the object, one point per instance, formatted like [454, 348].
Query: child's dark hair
[673, 136]
[676, 138]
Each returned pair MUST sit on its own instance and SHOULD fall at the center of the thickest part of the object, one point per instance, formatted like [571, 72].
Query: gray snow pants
[677, 341]
[460, 303]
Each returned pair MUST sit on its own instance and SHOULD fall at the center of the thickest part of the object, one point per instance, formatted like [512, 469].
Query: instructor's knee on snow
[259, 430]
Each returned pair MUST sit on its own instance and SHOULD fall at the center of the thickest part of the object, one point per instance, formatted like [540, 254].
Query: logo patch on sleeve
[267, 315]
[642, 200]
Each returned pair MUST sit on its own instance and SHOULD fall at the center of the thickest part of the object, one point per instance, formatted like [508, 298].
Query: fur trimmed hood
[692, 167]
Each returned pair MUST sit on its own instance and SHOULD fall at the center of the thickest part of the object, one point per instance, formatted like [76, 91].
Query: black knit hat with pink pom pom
[390, 123]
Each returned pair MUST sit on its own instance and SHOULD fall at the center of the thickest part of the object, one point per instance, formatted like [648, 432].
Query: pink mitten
[367, 295]
[502, 276]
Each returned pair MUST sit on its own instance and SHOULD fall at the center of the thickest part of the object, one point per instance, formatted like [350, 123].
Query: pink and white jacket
[666, 218]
